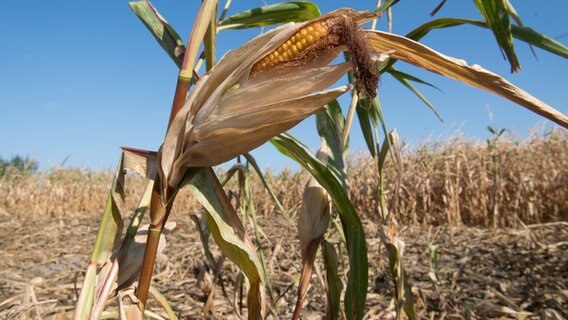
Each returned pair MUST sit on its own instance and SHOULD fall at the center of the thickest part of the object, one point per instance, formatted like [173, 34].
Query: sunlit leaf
[270, 15]
[365, 116]
[356, 292]
[386, 5]
[525, 34]
[404, 77]
[166, 36]
[330, 124]
[267, 186]
[333, 282]
[418, 54]
[229, 233]
[497, 17]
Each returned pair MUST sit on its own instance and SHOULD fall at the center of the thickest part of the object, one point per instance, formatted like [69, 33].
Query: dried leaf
[420, 55]
[229, 234]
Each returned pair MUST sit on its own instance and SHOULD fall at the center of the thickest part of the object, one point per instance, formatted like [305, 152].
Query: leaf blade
[164, 34]
[420, 55]
[522, 33]
[358, 277]
[270, 15]
[497, 17]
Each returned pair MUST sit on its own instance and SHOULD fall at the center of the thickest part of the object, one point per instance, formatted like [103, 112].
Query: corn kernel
[294, 49]
[294, 46]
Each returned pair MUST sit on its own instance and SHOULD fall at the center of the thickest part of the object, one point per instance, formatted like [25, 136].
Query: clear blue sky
[78, 79]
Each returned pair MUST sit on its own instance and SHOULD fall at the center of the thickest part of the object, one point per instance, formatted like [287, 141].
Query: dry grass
[454, 182]
[443, 183]
[48, 223]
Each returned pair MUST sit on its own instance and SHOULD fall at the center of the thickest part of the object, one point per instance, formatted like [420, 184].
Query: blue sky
[78, 79]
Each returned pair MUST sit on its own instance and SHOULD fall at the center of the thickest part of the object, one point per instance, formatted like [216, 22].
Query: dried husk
[228, 113]
[315, 212]
[313, 221]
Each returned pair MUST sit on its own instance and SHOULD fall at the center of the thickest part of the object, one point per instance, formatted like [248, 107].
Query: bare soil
[504, 273]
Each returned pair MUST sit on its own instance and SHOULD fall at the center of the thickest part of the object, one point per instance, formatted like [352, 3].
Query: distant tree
[18, 164]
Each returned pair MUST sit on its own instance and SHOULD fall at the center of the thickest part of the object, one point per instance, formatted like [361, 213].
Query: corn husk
[313, 221]
[228, 113]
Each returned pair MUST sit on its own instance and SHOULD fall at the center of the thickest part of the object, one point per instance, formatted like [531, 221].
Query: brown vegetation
[48, 222]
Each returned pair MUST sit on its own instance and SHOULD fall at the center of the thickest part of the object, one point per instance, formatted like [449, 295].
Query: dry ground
[48, 223]
[482, 273]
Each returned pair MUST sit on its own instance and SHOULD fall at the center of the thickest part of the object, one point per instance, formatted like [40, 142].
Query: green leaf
[228, 232]
[403, 78]
[87, 295]
[370, 115]
[271, 14]
[365, 116]
[210, 42]
[330, 124]
[358, 277]
[166, 36]
[230, 173]
[108, 241]
[522, 33]
[513, 13]
[256, 168]
[401, 281]
[497, 17]
[110, 230]
[410, 77]
[384, 6]
[248, 209]
[163, 301]
[334, 284]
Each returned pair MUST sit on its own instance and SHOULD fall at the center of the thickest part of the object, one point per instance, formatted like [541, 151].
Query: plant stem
[161, 204]
[349, 120]
[160, 211]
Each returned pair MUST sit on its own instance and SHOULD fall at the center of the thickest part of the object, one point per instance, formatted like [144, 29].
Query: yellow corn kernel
[294, 50]
[293, 47]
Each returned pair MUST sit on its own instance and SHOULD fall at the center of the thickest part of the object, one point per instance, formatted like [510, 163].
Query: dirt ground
[510, 274]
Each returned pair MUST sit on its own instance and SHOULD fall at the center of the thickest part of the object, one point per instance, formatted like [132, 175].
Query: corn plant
[496, 161]
[254, 94]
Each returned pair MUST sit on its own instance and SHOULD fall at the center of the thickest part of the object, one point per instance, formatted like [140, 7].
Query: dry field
[450, 195]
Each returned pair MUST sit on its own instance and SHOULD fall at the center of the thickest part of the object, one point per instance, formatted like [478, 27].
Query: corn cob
[330, 32]
[294, 47]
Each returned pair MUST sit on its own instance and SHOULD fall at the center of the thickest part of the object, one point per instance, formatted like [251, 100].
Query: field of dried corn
[448, 198]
